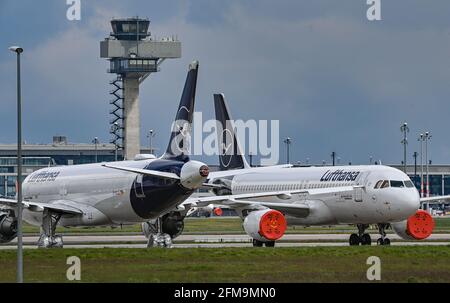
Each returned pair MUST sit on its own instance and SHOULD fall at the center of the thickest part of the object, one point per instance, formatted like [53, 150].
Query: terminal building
[59, 152]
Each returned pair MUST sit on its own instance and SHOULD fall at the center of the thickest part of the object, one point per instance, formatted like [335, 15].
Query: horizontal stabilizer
[38, 206]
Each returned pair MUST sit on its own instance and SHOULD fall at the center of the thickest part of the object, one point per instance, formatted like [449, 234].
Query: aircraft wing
[295, 208]
[148, 172]
[285, 195]
[300, 210]
[58, 206]
[435, 199]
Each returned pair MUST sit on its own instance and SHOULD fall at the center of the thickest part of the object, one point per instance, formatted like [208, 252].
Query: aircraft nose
[413, 200]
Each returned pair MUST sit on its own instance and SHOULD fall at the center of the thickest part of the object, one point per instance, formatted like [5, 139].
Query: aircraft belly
[118, 208]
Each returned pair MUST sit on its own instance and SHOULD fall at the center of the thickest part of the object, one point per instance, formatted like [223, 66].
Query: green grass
[226, 226]
[319, 264]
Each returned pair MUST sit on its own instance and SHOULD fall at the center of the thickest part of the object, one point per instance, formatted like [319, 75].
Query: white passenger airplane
[113, 194]
[359, 195]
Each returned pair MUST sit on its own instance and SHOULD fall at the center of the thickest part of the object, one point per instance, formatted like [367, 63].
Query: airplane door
[63, 190]
[358, 194]
[138, 186]
[359, 188]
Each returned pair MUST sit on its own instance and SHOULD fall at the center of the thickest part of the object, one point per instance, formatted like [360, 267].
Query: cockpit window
[397, 183]
[378, 184]
[408, 183]
[385, 184]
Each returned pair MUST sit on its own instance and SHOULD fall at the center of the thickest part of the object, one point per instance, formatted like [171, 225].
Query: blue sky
[334, 80]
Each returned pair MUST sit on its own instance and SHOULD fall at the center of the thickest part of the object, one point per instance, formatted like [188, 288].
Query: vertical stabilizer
[231, 155]
[180, 138]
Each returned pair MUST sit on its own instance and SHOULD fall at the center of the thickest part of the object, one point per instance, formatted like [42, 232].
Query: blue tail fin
[178, 148]
[231, 155]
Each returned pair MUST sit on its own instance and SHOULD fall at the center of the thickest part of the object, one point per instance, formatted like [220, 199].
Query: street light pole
[333, 157]
[288, 142]
[404, 129]
[427, 138]
[415, 165]
[18, 50]
[151, 134]
[421, 137]
[95, 141]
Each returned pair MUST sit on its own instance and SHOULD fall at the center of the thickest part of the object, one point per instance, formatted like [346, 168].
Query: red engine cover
[218, 211]
[420, 225]
[272, 225]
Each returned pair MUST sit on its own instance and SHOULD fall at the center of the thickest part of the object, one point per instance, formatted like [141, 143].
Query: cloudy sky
[334, 80]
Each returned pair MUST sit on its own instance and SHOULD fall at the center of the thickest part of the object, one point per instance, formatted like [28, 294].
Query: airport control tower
[133, 56]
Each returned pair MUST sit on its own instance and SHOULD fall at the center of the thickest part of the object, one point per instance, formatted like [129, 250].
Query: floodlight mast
[19, 275]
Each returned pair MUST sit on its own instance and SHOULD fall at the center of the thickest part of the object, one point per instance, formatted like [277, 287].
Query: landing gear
[48, 239]
[362, 237]
[156, 238]
[257, 243]
[366, 240]
[354, 240]
[383, 240]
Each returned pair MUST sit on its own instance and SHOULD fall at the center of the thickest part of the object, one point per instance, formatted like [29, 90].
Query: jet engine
[418, 227]
[171, 224]
[193, 174]
[211, 209]
[218, 211]
[8, 228]
[265, 225]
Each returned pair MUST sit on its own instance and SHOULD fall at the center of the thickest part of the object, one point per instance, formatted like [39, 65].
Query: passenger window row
[287, 187]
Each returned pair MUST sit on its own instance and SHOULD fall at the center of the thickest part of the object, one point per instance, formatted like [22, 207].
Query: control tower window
[129, 28]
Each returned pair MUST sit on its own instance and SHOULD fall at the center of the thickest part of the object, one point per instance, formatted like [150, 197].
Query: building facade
[60, 152]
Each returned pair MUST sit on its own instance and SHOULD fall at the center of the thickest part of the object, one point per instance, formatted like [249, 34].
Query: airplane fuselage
[343, 194]
[106, 196]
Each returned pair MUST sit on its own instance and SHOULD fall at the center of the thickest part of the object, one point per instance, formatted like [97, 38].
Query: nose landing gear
[383, 240]
[361, 238]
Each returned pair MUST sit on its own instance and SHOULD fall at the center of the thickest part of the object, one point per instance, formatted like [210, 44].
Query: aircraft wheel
[270, 244]
[257, 243]
[380, 241]
[58, 242]
[366, 240]
[354, 240]
[387, 241]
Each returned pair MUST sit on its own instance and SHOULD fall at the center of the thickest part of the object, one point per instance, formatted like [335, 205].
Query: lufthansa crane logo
[226, 148]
